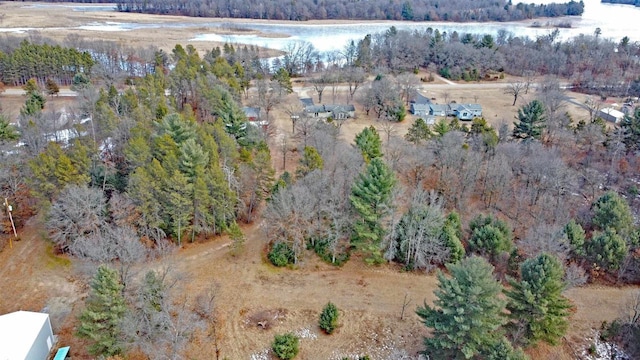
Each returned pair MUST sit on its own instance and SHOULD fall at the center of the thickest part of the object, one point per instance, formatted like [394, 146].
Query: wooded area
[162, 153]
[301, 10]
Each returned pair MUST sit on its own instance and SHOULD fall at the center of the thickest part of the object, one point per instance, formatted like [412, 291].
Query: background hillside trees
[458, 10]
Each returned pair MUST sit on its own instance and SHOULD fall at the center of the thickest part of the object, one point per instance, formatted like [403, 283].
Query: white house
[25, 335]
[419, 109]
[468, 111]
[611, 114]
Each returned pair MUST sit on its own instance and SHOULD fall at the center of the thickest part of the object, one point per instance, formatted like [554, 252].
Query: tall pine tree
[371, 199]
[369, 143]
[531, 121]
[101, 321]
[537, 308]
[467, 316]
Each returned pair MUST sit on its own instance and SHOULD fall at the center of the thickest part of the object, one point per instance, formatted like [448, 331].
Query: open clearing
[250, 290]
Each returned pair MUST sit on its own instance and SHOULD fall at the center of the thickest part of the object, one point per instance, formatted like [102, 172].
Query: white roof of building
[613, 112]
[18, 331]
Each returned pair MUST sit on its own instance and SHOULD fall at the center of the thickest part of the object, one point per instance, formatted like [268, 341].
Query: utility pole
[13, 226]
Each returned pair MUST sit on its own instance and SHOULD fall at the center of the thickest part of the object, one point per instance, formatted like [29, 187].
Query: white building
[611, 114]
[25, 335]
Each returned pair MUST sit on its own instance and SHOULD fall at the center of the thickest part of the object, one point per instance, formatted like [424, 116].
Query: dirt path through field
[250, 291]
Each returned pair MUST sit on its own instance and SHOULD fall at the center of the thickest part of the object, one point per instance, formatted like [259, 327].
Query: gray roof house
[437, 110]
[468, 111]
[419, 109]
[306, 102]
[420, 99]
[339, 112]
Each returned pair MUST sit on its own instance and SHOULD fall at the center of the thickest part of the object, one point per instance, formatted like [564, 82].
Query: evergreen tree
[490, 236]
[371, 198]
[329, 318]
[451, 240]
[369, 143]
[503, 350]
[283, 78]
[418, 132]
[607, 249]
[285, 346]
[179, 196]
[311, 160]
[537, 308]
[575, 236]
[467, 316]
[52, 170]
[407, 11]
[237, 238]
[100, 322]
[531, 121]
[35, 100]
[7, 131]
[631, 127]
[232, 116]
[441, 127]
[612, 211]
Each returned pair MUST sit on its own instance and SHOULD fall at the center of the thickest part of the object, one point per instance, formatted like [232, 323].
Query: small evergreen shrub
[329, 318]
[281, 254]
[321, 248]
[285, 346]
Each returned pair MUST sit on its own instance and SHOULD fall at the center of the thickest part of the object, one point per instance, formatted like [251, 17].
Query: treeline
[43, 62]
[454, 10]
[43, 59]
[592, 63]
[627, 2]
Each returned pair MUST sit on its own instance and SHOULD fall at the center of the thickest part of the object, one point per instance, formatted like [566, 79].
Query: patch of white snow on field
[603, 350]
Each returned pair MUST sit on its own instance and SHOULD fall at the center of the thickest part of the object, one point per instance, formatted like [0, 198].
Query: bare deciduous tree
[408, 85]
[354, 77]
[120, 246]
[78, 212]
[415, 237]
[161, 324]
[514, 89]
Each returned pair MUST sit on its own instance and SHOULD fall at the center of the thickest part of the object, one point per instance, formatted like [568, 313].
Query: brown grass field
[250, 290]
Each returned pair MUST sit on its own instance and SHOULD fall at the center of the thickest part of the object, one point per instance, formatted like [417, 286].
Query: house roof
[438, 107]
[306, 102]
[420, 99]
[329, 108]
[470, 107]
[315, 109]
[251, 112]
[612, 112]
[18, 332]
[419, 107]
